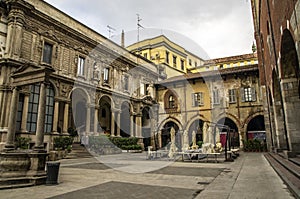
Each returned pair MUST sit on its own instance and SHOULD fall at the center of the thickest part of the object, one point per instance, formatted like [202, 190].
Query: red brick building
[277, 36]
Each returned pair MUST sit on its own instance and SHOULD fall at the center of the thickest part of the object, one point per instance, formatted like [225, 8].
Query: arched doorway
[104, 115]
[125, 120]
[256, 128]
[146, 127]
[289, 66]
[196, 126]
[166, 136]
[234, 137]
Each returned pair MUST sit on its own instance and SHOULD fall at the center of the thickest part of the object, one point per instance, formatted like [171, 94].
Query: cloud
[222, 28]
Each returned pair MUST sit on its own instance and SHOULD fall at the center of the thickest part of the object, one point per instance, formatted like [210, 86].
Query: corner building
[277, 36]
[57, 74]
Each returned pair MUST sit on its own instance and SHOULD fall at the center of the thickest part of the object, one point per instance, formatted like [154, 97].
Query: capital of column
[116, 110]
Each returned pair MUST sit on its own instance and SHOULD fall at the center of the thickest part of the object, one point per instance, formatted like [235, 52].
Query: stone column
[88, 120]
[12, 120]
[39, 143]
[25, 113]
[55, 116]
[118, 119]
[96, 121]
[112, 123]
[14, 32]
[159, 139]
[131, 125]
[66, 118]
[139, 126]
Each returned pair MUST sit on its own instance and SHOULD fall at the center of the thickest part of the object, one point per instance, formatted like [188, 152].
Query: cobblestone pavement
[132, 176]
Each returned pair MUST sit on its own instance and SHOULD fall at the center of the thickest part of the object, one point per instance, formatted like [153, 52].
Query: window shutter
[242, 92]
[253, 94]
[193, 99]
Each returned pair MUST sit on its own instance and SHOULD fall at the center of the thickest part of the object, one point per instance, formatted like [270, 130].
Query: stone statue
[150, 91]
[173, 147]
[205, 133]
[194, 146]
[185, 141]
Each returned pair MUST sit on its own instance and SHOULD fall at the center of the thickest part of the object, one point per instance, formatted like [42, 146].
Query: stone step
[78, 151]
[290, 179]
[16, 182]
[295, 160]
[291, 166]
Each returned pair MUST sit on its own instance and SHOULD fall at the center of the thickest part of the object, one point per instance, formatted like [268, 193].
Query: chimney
[123, 39]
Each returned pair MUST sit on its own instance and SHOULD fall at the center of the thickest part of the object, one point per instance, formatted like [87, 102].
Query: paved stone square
[249, 176]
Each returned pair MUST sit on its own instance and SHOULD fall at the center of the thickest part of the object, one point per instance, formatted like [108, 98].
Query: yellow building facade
[175, 59]
[228, 96]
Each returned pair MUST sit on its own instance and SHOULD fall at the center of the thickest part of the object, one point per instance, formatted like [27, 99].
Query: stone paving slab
[129, 190]
[203, 172]
[95, 166]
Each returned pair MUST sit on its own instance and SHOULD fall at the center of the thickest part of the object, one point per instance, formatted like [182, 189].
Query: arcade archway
[196, 126]
[166, 136]
[256, 128]
[125, 120]
[234, 137]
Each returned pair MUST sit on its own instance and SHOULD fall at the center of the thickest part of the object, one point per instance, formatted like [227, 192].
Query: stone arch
[250, 117]
[290, 90]
[168, 104]
[256, 127]
[232, 117]
[171, 119]
[56, 91]
[82, 91]
[289, 60]
[234, 134]
[105, 113]
[192, 119]
[109, 98]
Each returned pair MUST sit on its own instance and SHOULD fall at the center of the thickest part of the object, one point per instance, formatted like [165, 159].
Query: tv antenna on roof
[138, 27]
[110, 31]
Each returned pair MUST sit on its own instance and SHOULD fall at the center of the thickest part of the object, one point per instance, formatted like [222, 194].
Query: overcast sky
[221, 28]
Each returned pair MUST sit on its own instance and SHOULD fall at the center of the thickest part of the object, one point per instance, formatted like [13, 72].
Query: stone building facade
[277, 35]
[57, 74]
[224, 91]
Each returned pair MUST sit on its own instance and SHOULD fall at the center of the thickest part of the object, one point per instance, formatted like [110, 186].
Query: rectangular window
[198, 99]
[80, 66]
[146, 55]
[33, 107]
[248, 94]
[232, 95]
[182, 64]
[49, 109]
[106, 75]
[47, 53]
[20, 111]
[167, 57]
[216, 98]
[195, 64]
[126, 83]
[190, 62]
[174, 60]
